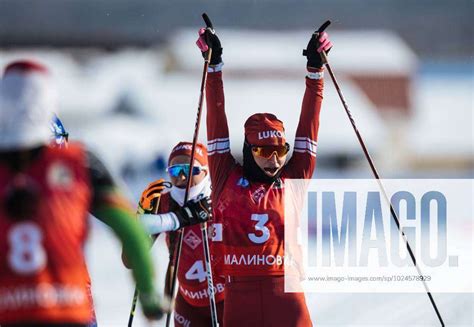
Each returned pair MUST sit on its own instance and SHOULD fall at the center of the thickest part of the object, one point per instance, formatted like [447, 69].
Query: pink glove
[325, 43]
[208, 38]
[201, 41]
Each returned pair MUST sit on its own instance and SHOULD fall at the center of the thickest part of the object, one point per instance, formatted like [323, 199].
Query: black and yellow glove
[151, 195]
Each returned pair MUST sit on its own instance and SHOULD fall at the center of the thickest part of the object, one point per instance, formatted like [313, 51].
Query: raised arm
[218, 145]
[303, 161]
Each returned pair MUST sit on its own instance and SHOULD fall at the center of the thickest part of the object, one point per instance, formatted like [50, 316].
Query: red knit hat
[184, 148]
[25, 66]
[264, 129]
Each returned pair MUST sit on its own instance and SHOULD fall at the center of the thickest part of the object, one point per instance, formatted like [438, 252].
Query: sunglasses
[268, 150]
[177, 170]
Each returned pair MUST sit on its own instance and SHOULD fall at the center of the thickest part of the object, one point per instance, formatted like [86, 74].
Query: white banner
[341, 236]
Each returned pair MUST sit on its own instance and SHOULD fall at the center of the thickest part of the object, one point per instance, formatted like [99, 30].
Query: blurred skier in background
[192, 301]
[249, 199]
[60, 139]
[46, 193]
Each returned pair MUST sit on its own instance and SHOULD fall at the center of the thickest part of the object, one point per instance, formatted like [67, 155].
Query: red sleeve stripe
[220, 152]
[220, 145]
[218, 140]
[302, 138]
[304, 144]
[305, 151]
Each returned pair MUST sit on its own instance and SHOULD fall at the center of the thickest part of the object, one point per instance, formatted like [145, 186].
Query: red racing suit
[192, 273]
[44, 255]
[250, 240]
[248, 237]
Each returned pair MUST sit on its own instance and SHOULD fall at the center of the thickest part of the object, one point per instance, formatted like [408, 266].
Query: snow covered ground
[113, 290]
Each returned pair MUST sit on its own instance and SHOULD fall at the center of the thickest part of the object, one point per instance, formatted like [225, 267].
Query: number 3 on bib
[262, 230]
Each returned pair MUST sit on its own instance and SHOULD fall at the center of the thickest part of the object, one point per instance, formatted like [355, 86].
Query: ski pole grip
[209, 27]
[322, 28]
[207, 21]
[316, 34]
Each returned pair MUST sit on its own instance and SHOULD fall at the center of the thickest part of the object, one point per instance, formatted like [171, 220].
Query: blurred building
[129, 78]
[433, 28]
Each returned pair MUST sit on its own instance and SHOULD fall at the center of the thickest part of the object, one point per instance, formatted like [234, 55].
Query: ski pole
[374, 170]
[207, 255]
[134, 305]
